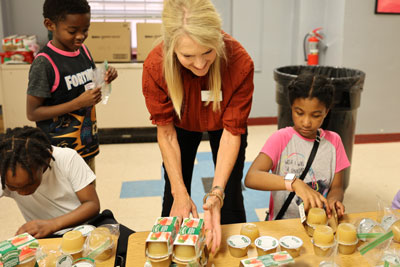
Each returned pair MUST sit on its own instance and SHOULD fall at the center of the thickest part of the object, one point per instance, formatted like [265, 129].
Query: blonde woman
[199, 79]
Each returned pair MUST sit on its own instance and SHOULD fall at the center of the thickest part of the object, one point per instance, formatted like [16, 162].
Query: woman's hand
[310, 197]
[111, 74]
[38, 228]
[212, 223]
[182, 206]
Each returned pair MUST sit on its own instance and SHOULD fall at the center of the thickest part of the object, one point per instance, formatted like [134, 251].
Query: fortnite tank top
[73, 72]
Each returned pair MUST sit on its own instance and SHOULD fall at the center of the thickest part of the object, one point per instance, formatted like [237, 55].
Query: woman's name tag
[207, 96]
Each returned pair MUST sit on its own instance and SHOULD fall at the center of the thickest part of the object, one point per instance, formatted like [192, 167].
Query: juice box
[189, 243]
[273, 259]
[160, 240]
[17, 249]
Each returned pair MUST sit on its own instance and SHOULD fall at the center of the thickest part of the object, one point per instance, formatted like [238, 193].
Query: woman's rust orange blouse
[237, 91]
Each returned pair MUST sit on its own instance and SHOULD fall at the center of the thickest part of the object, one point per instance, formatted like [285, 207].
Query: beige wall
[371, 43]
[125, 107]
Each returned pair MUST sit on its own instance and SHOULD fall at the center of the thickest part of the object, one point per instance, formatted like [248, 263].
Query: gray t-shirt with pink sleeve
[289, 152]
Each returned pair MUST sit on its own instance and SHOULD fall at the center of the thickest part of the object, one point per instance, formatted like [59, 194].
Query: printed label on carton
[273, 259]
[191, 234]
[164, 230]
[17, 249]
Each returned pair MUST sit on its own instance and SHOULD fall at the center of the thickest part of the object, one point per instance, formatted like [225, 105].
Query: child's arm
[90, 206]
[336, 195]
[36, 111]
[258, 177]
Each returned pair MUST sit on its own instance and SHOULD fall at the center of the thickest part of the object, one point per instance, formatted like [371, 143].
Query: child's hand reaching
[310, 197]
[337, 205]
[37, 228]
[111, 74]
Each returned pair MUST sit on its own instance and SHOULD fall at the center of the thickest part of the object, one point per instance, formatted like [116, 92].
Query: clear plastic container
[99, 74]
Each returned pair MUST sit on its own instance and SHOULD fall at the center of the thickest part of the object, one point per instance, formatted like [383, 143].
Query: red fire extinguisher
[310, 45]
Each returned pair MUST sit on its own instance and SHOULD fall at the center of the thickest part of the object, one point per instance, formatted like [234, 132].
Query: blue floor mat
[253, 199]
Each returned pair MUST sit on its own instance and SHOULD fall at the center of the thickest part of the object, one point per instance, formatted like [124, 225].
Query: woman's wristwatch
[289, 180]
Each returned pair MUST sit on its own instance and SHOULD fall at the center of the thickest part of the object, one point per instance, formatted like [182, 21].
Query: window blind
[133, 11]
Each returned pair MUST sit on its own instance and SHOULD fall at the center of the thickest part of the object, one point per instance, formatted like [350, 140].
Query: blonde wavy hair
[200, 21]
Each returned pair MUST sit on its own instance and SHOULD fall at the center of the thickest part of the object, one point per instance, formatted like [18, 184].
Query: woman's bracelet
[213, 194]
[220, 189]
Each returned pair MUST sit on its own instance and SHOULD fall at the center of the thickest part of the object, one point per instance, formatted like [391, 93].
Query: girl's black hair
[309, 85]
[56, 10]
[30, 147]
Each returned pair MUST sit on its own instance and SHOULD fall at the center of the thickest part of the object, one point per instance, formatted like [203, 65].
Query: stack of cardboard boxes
[111, 41]
[19, 49]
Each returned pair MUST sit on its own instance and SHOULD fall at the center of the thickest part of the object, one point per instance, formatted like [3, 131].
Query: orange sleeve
[155, 89]
[241, 68]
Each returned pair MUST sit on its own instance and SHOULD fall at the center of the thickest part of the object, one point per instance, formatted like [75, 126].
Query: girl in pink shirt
[286, 152]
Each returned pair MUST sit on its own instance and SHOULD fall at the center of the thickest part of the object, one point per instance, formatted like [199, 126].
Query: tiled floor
[129, 181]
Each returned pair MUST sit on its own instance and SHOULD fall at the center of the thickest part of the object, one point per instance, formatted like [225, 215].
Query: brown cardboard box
[110, 41]
[147, 36]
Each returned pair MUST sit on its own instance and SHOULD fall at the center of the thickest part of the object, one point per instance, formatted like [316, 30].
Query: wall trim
[149, 134]
[262, 121]
[377, 138]
[358, 139]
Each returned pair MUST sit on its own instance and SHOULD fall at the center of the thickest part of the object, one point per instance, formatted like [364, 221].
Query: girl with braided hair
[285, 154]
[52, 186]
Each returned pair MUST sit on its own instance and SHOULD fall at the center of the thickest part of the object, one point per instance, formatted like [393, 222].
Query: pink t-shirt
[289, 152]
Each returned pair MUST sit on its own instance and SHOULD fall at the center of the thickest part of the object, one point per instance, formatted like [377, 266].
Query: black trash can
[342, 116]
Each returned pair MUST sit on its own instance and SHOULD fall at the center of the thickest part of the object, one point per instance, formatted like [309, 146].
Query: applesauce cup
[323, 235]
[291, 244]
[84, 263]
[315, 216]
[184, 252]
[72, 244]
[100, 244]
[238, 245]
[396, 231]
[166, 262]
[347, 238]
[64, 260]
[266, 245]
[85, 229]
[323, 251]
[157, 250]
[250, 230]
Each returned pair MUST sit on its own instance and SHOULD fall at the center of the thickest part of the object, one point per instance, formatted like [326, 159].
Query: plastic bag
[99, 74]
[390, 257]
[102, 242]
